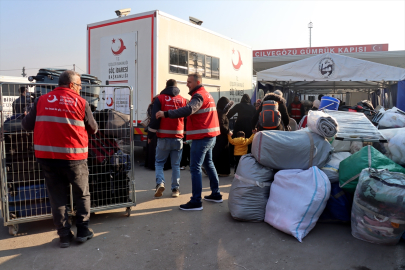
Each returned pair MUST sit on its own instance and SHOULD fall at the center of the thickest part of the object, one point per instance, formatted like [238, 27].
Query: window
[215, 68]
[185, 62]
[178, 61]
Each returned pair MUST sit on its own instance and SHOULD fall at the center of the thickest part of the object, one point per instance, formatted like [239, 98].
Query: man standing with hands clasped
[61, 121]
[202, 128]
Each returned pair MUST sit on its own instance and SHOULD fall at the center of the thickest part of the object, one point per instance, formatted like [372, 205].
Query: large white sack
[285, 150]
[392, 119]
[331, 169]
[250, 190]
[394, 149]
[297, 199]
[341, 146]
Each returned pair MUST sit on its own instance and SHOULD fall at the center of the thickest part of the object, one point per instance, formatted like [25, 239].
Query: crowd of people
[197, 133]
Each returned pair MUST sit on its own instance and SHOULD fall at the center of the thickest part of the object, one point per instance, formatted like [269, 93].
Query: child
[241, 145]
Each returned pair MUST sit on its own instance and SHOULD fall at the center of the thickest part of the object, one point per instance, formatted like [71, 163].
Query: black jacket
[281, 107]
[246, 112]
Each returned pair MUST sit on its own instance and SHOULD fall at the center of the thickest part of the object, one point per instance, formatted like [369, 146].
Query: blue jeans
[201, 155]
[166, 147]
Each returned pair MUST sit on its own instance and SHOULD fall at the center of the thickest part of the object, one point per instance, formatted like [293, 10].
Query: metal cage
[23, 190]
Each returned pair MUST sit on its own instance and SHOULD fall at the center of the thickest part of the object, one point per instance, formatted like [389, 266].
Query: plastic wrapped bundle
[392, 119]
[284, 150]
[378, 212]
[297, 199]
[250, 190]
[322, 124]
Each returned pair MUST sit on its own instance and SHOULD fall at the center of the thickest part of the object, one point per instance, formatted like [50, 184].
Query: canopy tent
[335, 74]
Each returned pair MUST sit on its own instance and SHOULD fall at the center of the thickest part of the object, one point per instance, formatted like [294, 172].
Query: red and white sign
[321, 50]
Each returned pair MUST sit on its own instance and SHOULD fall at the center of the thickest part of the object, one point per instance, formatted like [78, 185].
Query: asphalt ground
[158, 235]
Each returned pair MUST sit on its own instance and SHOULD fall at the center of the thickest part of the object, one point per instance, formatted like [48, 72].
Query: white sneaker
[182, 168]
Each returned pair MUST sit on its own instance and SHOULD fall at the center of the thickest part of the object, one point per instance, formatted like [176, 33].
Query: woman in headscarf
[220, 153]
[245, 112]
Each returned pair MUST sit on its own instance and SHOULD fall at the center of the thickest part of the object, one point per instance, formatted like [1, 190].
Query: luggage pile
[108, 164]
[307, 178]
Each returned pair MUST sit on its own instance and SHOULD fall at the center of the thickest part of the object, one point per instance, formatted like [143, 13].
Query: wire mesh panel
[23, 191]
[110, 151]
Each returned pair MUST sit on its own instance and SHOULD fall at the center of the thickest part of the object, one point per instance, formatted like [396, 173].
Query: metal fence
[110, 160]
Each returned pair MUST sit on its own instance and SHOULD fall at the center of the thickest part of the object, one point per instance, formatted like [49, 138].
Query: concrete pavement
[158, 235]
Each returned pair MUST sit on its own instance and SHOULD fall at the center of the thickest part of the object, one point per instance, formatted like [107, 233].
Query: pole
[310, 37]
[74, 67]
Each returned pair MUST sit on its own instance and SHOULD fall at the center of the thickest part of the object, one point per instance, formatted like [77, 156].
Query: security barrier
[23, 190]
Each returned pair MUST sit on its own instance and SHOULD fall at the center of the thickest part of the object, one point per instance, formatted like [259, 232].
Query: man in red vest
[170, 136]
[202, 128]
[296, 109]
[61, 121]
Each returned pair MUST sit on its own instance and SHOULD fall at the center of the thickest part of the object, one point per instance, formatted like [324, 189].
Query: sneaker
[65, 240]
[191, 206]
[83, 236]
[159, 190]
[175, 192]
[214, 198]
[182, 168]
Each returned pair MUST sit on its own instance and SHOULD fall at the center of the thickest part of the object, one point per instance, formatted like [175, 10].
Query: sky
[38, 34]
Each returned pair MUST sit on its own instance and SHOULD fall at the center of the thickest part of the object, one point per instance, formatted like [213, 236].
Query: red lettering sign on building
[321, 50]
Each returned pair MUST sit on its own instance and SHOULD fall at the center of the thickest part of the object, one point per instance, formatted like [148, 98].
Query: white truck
[147, 49]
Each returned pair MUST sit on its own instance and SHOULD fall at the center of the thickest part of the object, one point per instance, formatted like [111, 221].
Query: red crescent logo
[121, 49]
[237, 66]
[112, 102]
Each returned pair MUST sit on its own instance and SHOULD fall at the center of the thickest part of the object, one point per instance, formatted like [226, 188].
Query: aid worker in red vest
[61, 121]
[202, 128]
[296, 109]
[170, 136]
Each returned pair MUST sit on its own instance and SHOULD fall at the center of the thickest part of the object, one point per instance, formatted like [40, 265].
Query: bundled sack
[367, 157]
[378, 213]
[250, 190]
[394, 149]
[355, 146]
[297, 199]
[392, 118]
[331, 169]
[114, 124]
[339, 206]
[284, 150]
[322, 124]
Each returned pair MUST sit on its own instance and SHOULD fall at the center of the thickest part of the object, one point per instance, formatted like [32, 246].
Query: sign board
[321, 50]
[117, 58]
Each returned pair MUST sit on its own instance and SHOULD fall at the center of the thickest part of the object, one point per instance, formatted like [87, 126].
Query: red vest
[171, 128]
[59, 131]
[296, 110]
[204, 122]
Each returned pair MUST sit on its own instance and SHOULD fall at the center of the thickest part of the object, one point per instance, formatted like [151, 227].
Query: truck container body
[147, 49]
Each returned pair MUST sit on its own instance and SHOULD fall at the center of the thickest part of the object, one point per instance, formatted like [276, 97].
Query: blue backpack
[339, 206]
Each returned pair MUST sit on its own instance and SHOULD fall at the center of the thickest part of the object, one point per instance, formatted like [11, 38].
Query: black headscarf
[245, 99]
[223, 105]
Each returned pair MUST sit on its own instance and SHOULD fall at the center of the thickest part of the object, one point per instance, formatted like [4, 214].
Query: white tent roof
[327, 71]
